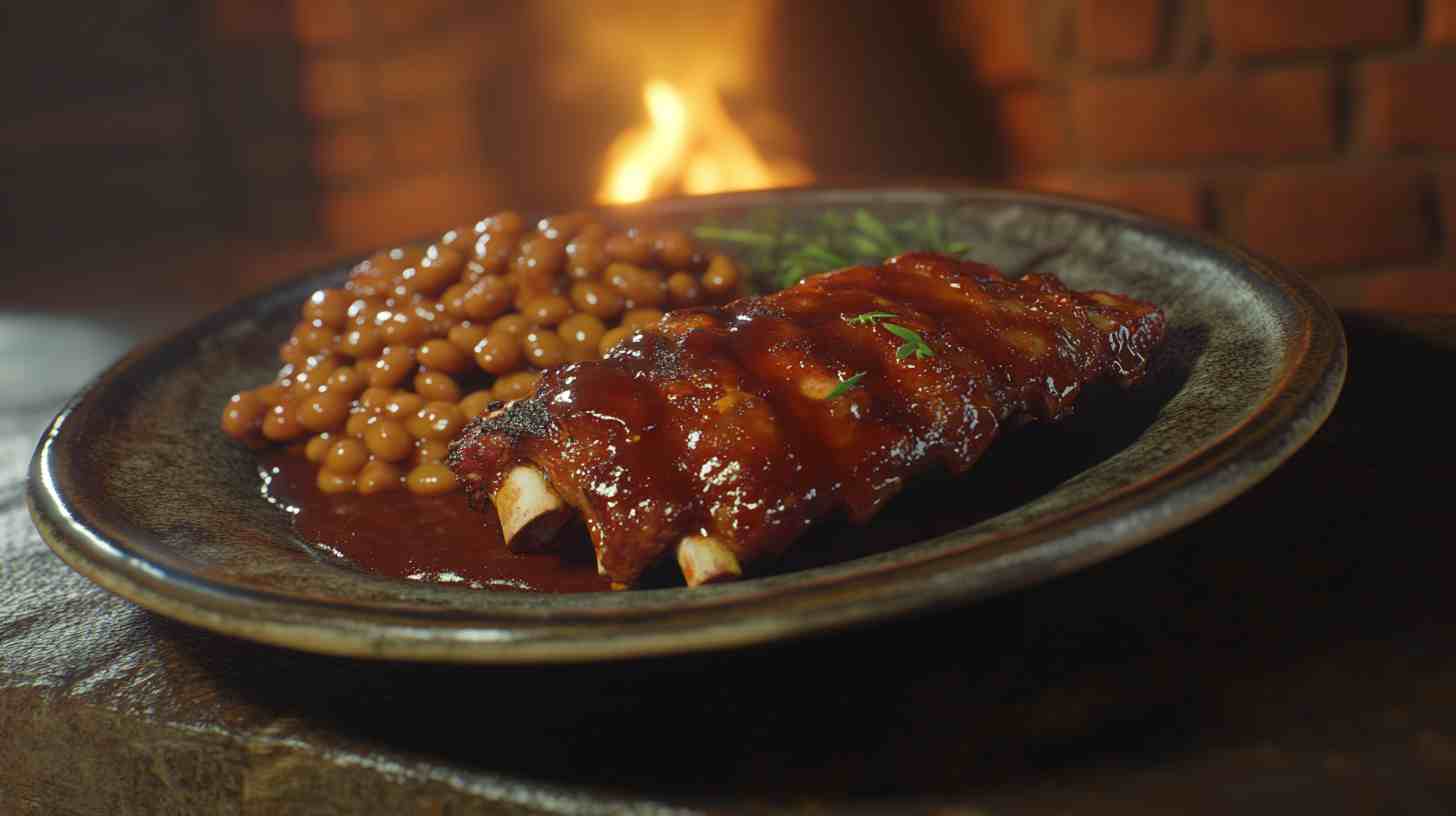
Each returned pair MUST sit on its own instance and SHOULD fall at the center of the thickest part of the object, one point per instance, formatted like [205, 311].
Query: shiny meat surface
[743, 424]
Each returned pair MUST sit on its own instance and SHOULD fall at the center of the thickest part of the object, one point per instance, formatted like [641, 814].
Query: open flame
[690, 144]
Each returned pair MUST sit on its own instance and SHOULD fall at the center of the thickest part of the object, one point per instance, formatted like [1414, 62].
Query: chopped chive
[845, 385]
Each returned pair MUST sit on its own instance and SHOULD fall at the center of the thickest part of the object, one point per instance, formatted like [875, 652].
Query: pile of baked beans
[379, 375]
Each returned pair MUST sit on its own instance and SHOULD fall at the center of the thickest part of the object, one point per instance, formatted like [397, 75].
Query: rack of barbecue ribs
[719, 434]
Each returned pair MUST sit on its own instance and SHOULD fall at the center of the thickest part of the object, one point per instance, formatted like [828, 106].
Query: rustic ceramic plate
[136, 489]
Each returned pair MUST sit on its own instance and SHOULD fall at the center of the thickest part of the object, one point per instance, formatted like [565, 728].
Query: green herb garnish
[781, 253]
[869, 318]
[914, 343]
[845, 386]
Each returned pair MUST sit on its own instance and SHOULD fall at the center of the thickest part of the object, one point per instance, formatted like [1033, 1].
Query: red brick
[1034, 128]
[324, 22]
[347, 152]
[1175, 197]
[333, 87]
[440, 67]
[391, 18]
[1173, 119]
[436, 137]
[1262, 27]
[998, 38]
[406, 208]
[1448, 211]
[1404, 104]
[1441, 22]
[1323, 218]
[1120, 32]
[250, 19]
[1430, 289]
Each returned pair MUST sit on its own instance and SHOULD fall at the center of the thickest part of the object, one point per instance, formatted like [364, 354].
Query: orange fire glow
[690, 144]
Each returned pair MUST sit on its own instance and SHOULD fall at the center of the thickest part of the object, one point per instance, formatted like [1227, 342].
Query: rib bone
[530, 511]
[706, 560]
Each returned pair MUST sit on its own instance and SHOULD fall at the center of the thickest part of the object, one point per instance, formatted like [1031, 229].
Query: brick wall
[1319, 132]
[356, 121]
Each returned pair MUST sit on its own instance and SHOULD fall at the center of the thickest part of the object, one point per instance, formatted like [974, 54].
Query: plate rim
[1185, 490]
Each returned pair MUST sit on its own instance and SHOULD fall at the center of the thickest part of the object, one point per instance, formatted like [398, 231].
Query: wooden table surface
[1294, 651]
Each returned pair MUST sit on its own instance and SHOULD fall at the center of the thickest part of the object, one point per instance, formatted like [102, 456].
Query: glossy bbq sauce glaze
[421, 538]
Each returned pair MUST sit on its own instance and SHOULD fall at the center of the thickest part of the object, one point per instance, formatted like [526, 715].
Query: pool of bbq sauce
[440, 539]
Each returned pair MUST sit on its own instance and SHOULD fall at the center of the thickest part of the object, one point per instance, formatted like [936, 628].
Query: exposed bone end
[531, 513]
[706, 560]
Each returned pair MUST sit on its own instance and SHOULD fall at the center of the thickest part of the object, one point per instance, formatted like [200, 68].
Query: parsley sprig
[914, 343]
[782, 254]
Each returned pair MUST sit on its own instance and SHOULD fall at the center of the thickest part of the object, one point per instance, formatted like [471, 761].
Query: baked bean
[538, 261]
[547, 311]
[378, 477]
[581, 334]
[347, 381]
[543, 348]
[586, 255]
[684, 290]
[465, 337]
[403, 404]
[293, 352]
[333, 483]
[596, 299]
[515, 386]
[639, 286]
[314, 338]
[443, 355]
[439, 268]
[629, 247]
[721, 278]
[329, 307]
[405, 327]
[640, 318]
[430, 479]
[562, 227]
[365, 341]
[499, 353]
[388, 440]
[346, 456]
[430, 450]
[318, 447]
[506, 222]
[513, 324]
[474, 403]
[281, 425]
[493, 252]
[438, 420]
[436, 386]
[488, 297]
[453, 299]
[612, 338]
[394, 365]
[358, 423]
[474, 271]
[376, 397]
[243, 415]
[323, 411]
[271, 394]
[674, 248]
[459, 238]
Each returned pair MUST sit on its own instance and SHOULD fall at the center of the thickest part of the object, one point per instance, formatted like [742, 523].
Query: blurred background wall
[207, 149]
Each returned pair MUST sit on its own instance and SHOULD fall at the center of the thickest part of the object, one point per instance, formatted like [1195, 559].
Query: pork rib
[720, 434]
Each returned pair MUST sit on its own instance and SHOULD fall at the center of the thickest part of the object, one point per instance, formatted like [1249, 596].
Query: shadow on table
[1294, 618]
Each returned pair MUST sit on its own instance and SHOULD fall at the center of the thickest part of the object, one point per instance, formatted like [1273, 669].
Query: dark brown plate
[136, 489]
